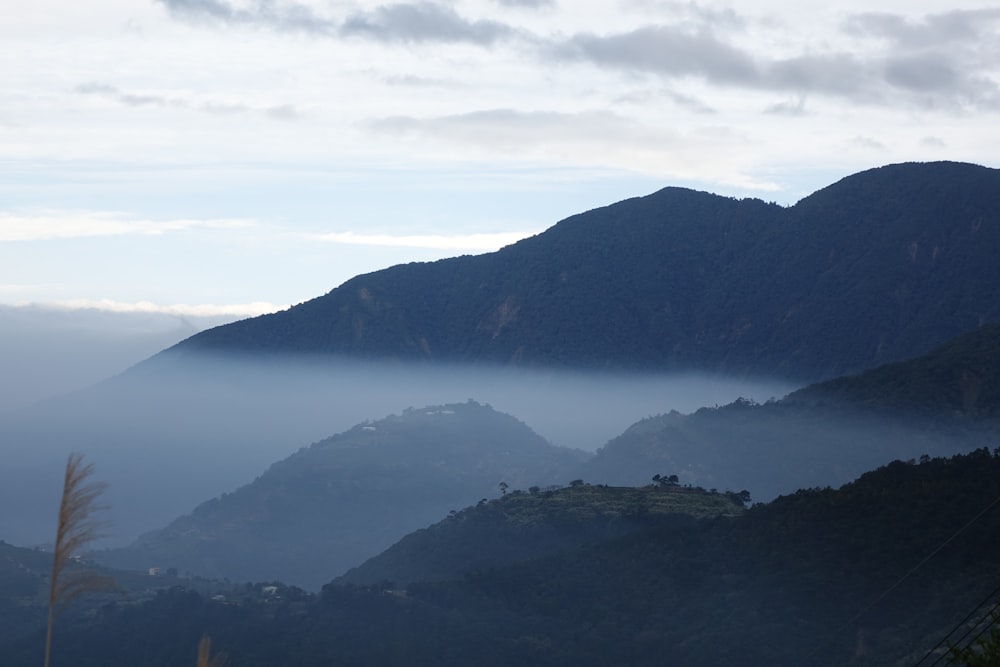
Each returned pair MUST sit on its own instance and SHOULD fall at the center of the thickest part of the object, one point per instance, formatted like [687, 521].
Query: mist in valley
[48, 351]
[180, 429]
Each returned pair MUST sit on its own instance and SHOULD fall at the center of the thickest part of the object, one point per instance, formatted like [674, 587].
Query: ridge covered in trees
[941, 403]
[872, 574]
[343, 499]
[878, 267]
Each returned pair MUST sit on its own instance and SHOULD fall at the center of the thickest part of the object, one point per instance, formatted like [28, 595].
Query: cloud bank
[459, 242]
[68, 225]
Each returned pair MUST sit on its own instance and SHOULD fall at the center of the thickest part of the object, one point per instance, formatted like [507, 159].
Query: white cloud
[458, 242]
[594, 138]
[197, 310]
[68, 225]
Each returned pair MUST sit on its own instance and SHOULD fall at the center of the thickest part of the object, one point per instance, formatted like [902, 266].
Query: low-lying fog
[176, 431]
[47, 351]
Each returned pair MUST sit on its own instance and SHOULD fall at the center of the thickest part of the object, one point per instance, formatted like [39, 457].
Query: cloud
[932, 142]
[531, 4]
[592, 138]
[692, 12]
[674, 52]
[458, 242]
[115, 94]
[925, 78]
[280, 16]
[282, 112]
[955, 27]
[423, 22]
[197, 310]
[924, 72]
[868, 143]
[128, 99]
[663, 50]
[526, 133]
[793, 108]
[406, 22]
[421, 81]
[67, 225]
[646, 96]
[944, 60]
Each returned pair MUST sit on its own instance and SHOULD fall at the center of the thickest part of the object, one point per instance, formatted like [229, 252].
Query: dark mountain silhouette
[958, 381]
[876, 573]
[941, 403]
[342, 500]
[523, 526]
[879, 267]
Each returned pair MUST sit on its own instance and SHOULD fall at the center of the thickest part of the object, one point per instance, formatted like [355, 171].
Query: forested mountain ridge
[958, 380]
[878, 267]
[522, 526]
[872, 574]
[335, 503]
[941, 403]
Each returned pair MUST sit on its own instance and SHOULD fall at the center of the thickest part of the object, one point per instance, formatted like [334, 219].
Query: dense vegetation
[330, 506]
[874, 573]
[958, 382]
[526, 525]
[24, 582]
[878, 267]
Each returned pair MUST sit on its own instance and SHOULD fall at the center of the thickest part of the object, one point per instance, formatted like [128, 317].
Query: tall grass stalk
[77, 527]
[204, 652]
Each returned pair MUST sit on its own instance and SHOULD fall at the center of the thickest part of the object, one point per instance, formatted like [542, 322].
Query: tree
[983, 651]
[660, 481]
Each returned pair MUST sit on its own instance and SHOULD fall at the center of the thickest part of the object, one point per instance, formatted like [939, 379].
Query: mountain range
[878, 267]
[874, 297]
[343, 499]
[879, 573]
[331, 506]
[939, 404]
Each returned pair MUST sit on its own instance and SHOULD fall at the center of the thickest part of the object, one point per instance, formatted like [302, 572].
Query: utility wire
[969, 631]
[906, 576]
[973, 640]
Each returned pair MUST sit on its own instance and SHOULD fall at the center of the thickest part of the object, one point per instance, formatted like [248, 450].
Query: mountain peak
[877, 267]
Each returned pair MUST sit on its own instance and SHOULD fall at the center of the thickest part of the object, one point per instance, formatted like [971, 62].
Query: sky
[234, 157]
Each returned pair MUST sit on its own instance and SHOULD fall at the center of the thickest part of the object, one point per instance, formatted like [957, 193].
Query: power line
[996, 604]
[906, 576]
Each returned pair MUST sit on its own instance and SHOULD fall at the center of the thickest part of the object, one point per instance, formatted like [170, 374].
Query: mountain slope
[958, 380]
[341, 500]
[878, 267]
[873, 574]
[941, 403]
[525, 526]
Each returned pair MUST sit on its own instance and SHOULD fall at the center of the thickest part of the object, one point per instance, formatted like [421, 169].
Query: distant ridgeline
[335, 503]
[881, 266]
[875, 573]
[944, 402]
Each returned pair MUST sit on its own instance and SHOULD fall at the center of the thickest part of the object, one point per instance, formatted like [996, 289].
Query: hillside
[873, 574]
[938, 404]
[24, 588]
[879, 267]
[522, 526]
[330, 506]
[959, 380]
